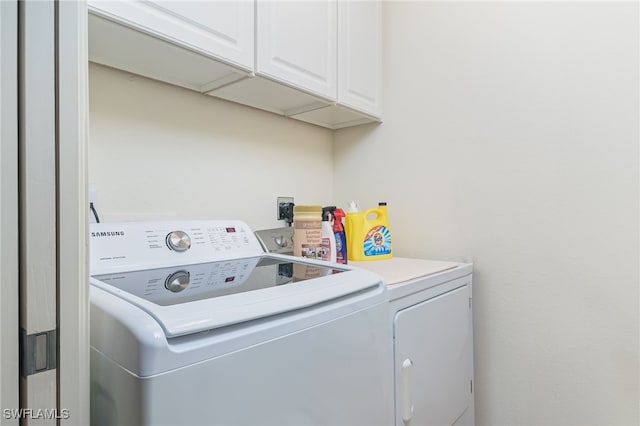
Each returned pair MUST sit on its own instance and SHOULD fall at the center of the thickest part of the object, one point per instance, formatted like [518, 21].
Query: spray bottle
[341, 239]
[328, 237]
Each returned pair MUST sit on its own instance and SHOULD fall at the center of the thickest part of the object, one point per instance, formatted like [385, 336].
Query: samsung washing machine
[192, 323]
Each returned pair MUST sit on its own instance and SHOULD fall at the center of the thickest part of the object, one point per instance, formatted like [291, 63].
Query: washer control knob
[280, 241]
[177, 281]
[178, 241]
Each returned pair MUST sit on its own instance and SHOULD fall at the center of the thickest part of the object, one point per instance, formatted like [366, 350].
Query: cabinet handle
[407, 407]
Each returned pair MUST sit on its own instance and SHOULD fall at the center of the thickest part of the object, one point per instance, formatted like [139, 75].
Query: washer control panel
[130, 246]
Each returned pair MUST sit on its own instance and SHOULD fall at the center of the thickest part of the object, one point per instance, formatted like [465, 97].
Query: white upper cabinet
[175, 41]
[360, 55]
[313, 60]
[297, 44]
[359, 68]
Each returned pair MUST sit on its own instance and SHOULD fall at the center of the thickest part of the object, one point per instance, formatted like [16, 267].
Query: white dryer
[431, 313]
[193, 324]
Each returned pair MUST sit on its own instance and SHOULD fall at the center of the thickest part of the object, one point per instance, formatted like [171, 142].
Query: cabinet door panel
[222, 29]
[360, 55]
[296, 44]
[435, 336]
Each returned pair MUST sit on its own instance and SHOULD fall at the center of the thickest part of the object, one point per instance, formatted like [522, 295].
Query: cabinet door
[297, 44]
[221, 29]
[432, 349]
[360, 55]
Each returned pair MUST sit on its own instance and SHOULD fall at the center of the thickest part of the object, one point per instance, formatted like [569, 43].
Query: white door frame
[9, 209]
[37, 212]
[73, 224]
[43, 214]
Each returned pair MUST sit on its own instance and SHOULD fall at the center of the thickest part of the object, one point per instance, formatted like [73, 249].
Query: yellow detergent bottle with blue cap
[368, 233]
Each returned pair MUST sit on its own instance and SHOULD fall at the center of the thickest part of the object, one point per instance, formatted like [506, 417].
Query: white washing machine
[193, 324]
[431, 313]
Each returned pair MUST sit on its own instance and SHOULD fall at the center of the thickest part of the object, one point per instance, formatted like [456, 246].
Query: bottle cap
[327, 212]
[308, 212]
[307, 209]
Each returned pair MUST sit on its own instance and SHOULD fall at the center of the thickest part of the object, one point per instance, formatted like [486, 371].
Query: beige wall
[166, 152]
[511, 139]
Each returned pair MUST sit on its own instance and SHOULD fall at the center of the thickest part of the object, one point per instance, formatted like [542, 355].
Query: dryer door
[432, 360]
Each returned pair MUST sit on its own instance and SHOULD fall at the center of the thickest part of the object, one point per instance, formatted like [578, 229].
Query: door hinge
[37, 352]
[471, 386]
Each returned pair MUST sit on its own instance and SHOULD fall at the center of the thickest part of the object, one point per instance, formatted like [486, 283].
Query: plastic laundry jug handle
[374, 213]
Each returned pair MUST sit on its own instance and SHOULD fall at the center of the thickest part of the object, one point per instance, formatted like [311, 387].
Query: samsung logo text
[108, 234]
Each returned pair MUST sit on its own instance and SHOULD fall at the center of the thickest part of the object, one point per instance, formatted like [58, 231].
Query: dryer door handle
[407, 407]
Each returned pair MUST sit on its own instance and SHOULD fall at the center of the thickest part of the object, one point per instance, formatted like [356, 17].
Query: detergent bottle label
[377, 241]
[325, 250]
